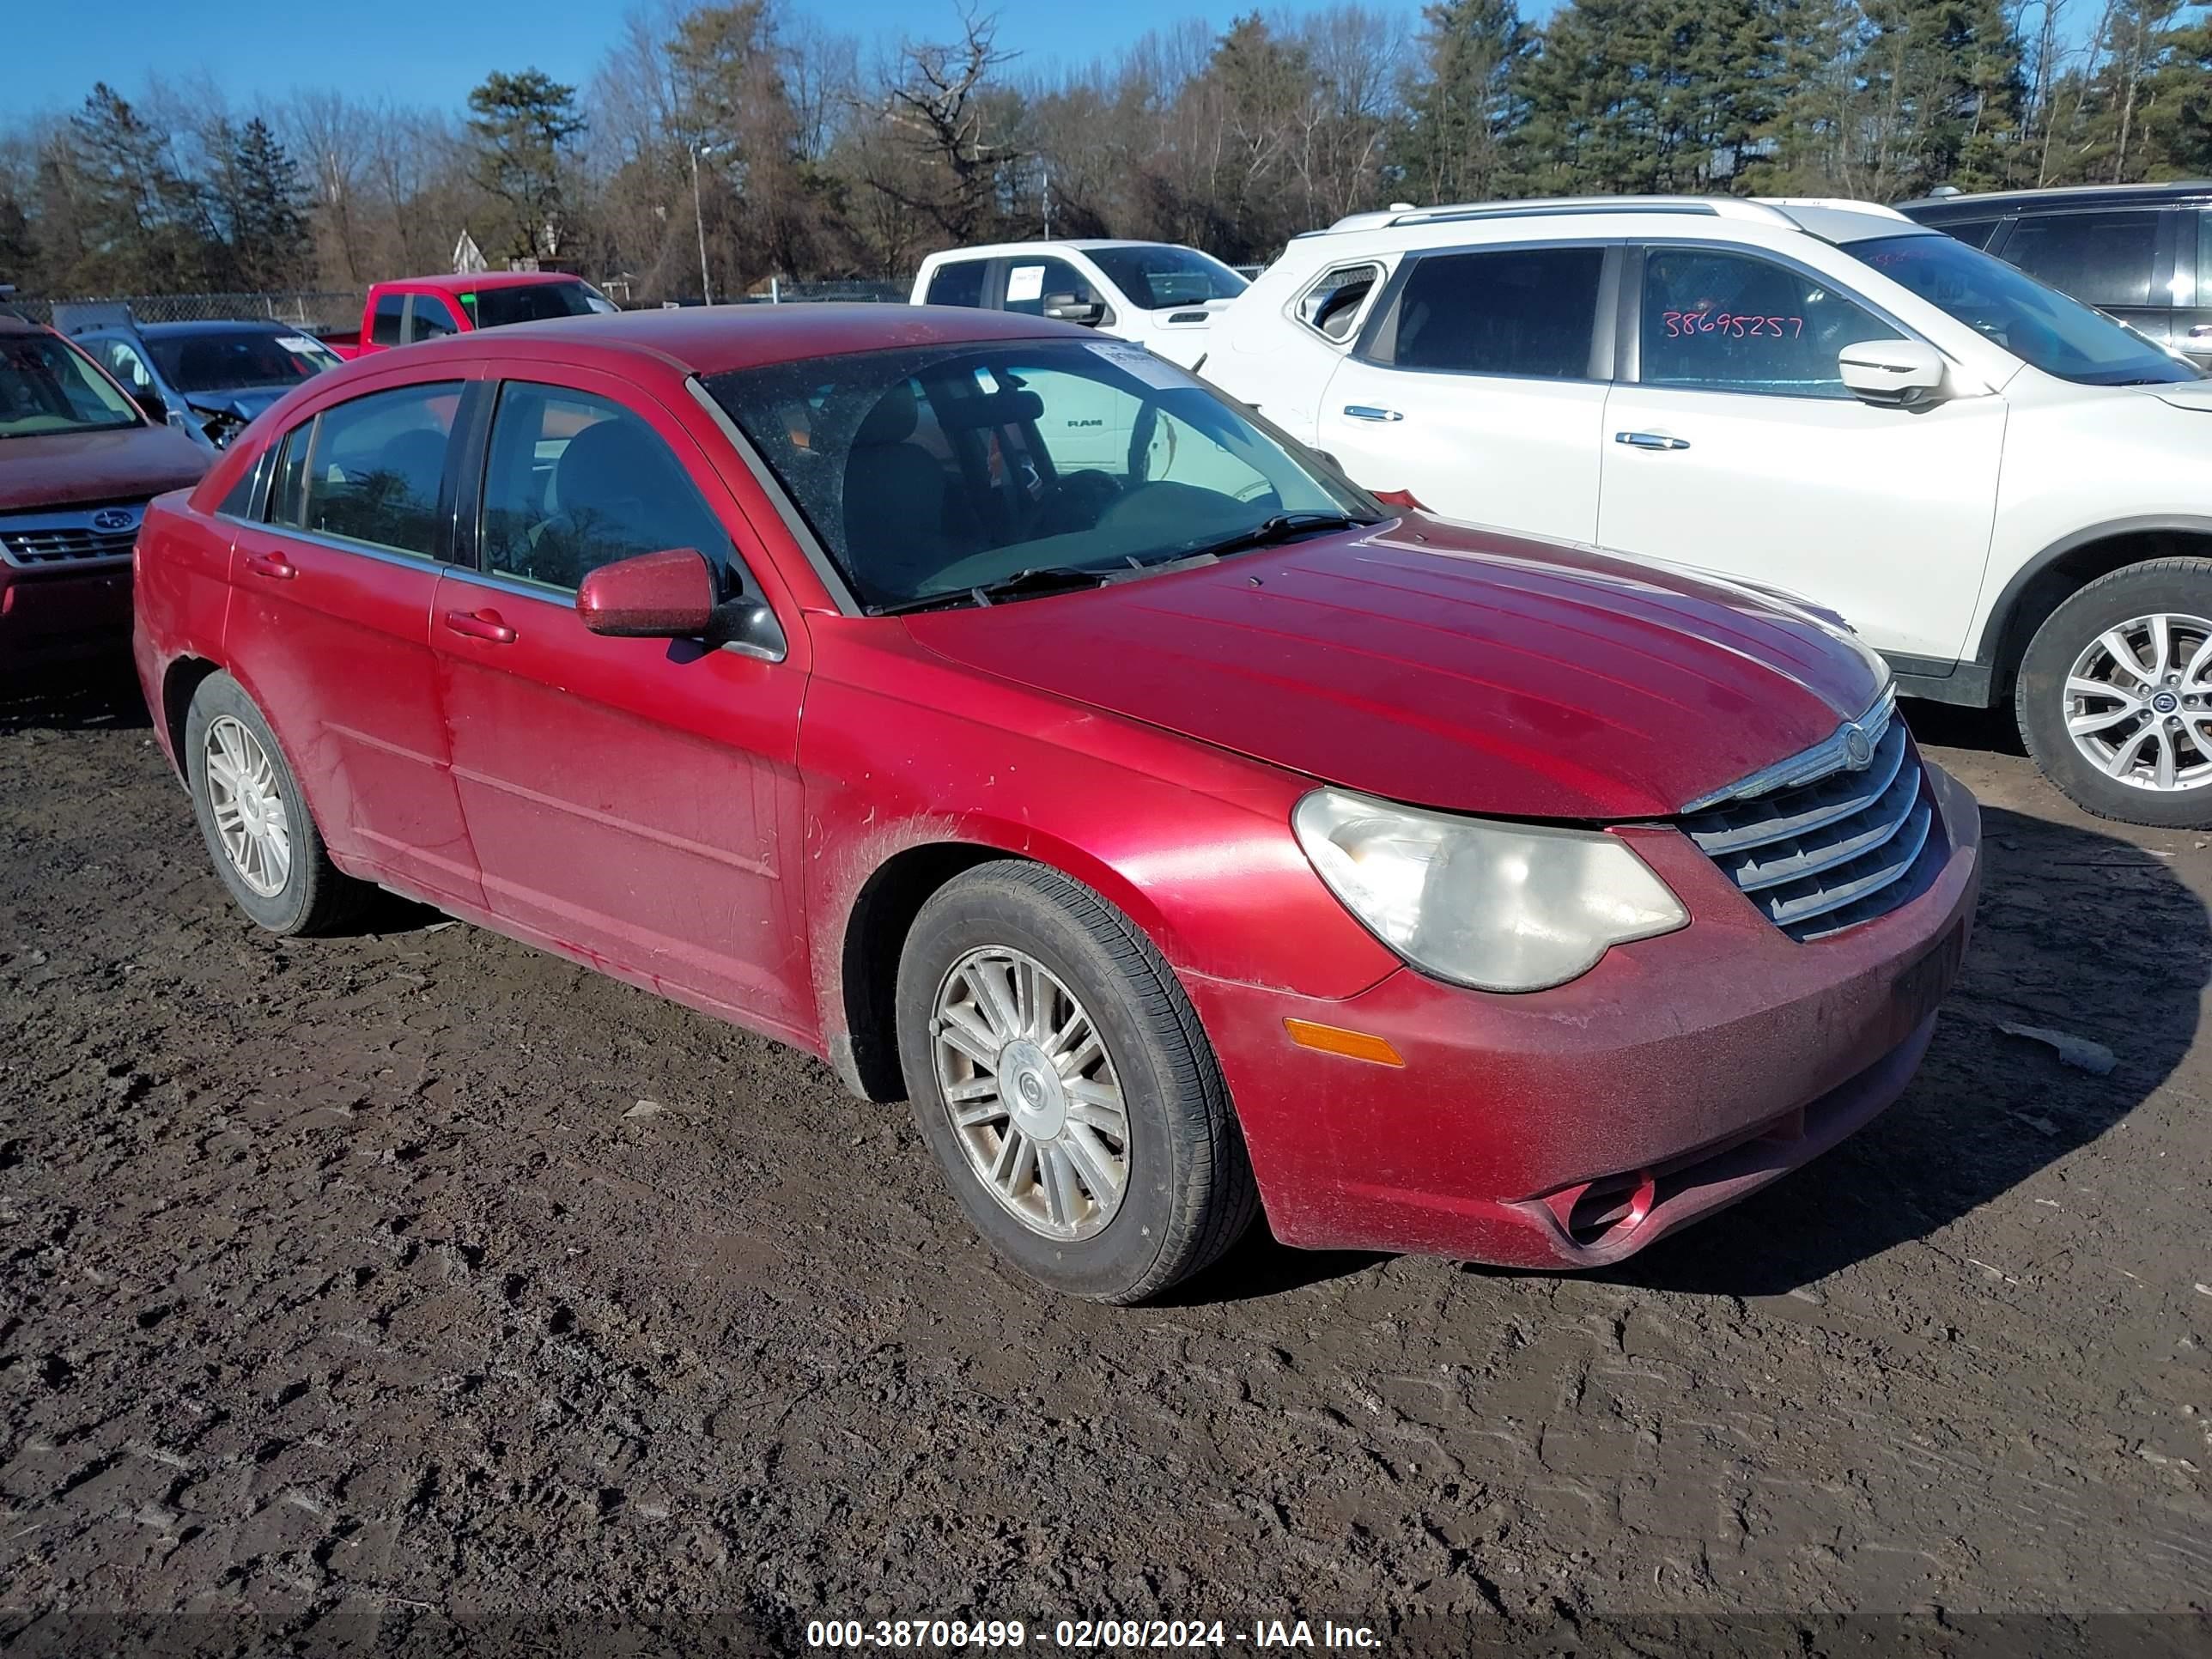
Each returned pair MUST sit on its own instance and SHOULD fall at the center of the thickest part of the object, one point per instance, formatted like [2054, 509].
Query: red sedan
[1001, 714]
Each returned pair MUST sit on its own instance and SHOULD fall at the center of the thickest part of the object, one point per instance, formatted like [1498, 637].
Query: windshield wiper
[1272, 532]
[1022, 585]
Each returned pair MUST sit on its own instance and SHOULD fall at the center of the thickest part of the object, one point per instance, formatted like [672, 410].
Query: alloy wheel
[2139, 703]
[1032, 1094]
[250, 816]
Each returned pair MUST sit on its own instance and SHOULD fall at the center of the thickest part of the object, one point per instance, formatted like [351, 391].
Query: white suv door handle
[1650, 441]
[2200, 331]
[1371, 412]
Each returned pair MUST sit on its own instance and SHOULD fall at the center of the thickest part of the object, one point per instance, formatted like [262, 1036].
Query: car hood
[58, 469]
[1444, 666]
[241, 402]
[2195, 396]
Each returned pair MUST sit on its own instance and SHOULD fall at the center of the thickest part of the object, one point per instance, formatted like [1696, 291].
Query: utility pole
[699, 219]
[1047, 206]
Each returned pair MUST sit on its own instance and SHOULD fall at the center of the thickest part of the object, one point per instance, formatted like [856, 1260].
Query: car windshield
[933, 471]
[47, 387]
[229, 359]
[1158, 274]
[2036, 323]
[532, 302]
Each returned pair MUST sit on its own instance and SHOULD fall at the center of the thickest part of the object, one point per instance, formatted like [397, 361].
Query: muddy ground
[348, 1288]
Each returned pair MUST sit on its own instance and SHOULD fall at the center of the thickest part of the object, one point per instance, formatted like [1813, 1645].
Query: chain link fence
[304, 308]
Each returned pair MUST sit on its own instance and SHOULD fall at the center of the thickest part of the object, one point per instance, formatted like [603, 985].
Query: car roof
[12, 324]
[1078, 244]
[476, 281]
[711, 339]
[212, 325]
[1834, 219]
[1978, 203]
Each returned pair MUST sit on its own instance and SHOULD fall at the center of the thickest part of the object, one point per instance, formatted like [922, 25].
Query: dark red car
[77, 462]
[1180, 832]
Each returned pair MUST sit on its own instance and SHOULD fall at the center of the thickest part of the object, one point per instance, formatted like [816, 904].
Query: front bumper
[1571, 1127]
[65, 613]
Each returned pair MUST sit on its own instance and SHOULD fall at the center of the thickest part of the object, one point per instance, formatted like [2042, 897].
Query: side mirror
[669, 595]
[1066, 308]
[1897, 373]
[150, 404]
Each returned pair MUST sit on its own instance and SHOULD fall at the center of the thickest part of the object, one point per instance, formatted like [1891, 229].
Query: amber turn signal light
[1335, 1040]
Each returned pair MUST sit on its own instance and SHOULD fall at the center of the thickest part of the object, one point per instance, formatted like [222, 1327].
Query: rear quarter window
[958, 283]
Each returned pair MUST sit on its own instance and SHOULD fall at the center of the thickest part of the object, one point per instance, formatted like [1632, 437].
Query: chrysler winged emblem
[1857, 750]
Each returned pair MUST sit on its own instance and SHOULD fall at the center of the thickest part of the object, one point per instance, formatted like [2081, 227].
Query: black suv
[2142, 253]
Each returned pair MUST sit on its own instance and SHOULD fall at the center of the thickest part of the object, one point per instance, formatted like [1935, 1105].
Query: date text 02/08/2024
[1109, 1634]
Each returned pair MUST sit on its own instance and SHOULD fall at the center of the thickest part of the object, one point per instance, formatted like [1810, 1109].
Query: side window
[1718, 321]
[433, 318]
[1332, 307]
[370, 471]
[127, 366]
[1028, 281]
[384, 328]
[574, 481]
[1525, 312]
[2100, 258]
[958, 283]
[238, 501]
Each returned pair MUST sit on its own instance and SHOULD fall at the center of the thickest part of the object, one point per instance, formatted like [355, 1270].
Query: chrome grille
[1820, 855]
[40, 540]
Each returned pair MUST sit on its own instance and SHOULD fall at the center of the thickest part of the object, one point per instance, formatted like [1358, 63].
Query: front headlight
[1500, 907]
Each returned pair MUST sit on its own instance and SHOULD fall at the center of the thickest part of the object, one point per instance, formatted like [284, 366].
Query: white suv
[1160, 294]
[2004, 491]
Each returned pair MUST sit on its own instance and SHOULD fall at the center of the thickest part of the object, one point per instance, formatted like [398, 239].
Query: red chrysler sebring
[997, 711]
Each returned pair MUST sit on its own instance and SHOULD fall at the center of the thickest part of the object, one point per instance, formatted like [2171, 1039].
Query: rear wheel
[1061, 1077]
[2114, 696]
[256, 823]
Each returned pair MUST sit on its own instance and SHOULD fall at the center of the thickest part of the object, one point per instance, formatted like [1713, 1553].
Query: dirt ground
[348, 1289]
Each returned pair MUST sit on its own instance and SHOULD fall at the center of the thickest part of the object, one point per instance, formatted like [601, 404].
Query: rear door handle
[1650, 441]
[481, 625]
[271, 564]
[1371, 412]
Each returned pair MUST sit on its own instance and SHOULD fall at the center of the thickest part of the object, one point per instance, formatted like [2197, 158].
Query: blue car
[207, 378]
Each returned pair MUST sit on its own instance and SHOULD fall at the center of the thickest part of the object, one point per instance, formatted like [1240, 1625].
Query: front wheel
[1061, 1075]
[2114, 697]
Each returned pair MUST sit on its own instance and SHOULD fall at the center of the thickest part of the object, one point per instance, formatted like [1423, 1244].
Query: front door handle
[2201, 331]
[271, 564]
[1650, 441]
[481, 625]
[1371, 412]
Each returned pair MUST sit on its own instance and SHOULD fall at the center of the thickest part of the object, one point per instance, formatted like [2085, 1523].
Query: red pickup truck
[427, 307]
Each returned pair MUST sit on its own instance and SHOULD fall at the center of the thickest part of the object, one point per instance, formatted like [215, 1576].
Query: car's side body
[1027, 278]
[409, 309]
[1927, 528]
[753, 829]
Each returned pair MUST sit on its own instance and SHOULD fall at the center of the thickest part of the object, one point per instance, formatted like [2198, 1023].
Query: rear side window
[2101, 258]
[958, 283]
[1332, 307]
[1718, 321]
[384, 328]
[371, 470]
[432, 319]
[576, 481]
[1527, 312]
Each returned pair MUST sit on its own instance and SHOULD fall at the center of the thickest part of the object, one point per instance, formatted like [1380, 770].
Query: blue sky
[432, 52]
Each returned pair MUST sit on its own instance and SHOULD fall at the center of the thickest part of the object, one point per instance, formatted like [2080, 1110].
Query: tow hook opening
[1606, 1207]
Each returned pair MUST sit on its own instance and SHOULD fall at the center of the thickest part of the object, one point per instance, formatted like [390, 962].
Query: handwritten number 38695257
[1701, 324]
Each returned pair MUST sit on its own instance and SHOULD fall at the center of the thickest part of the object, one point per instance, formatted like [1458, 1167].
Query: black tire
[315, 896]
[1189, 1193]
[2171, 585]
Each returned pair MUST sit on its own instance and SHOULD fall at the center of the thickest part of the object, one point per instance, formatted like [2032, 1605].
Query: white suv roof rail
[1764, 209]
[1719, 207]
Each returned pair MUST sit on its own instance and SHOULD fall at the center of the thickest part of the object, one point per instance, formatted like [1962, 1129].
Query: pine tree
[1466, 106]
[141, 225]
[523, 126]
[262, 203]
